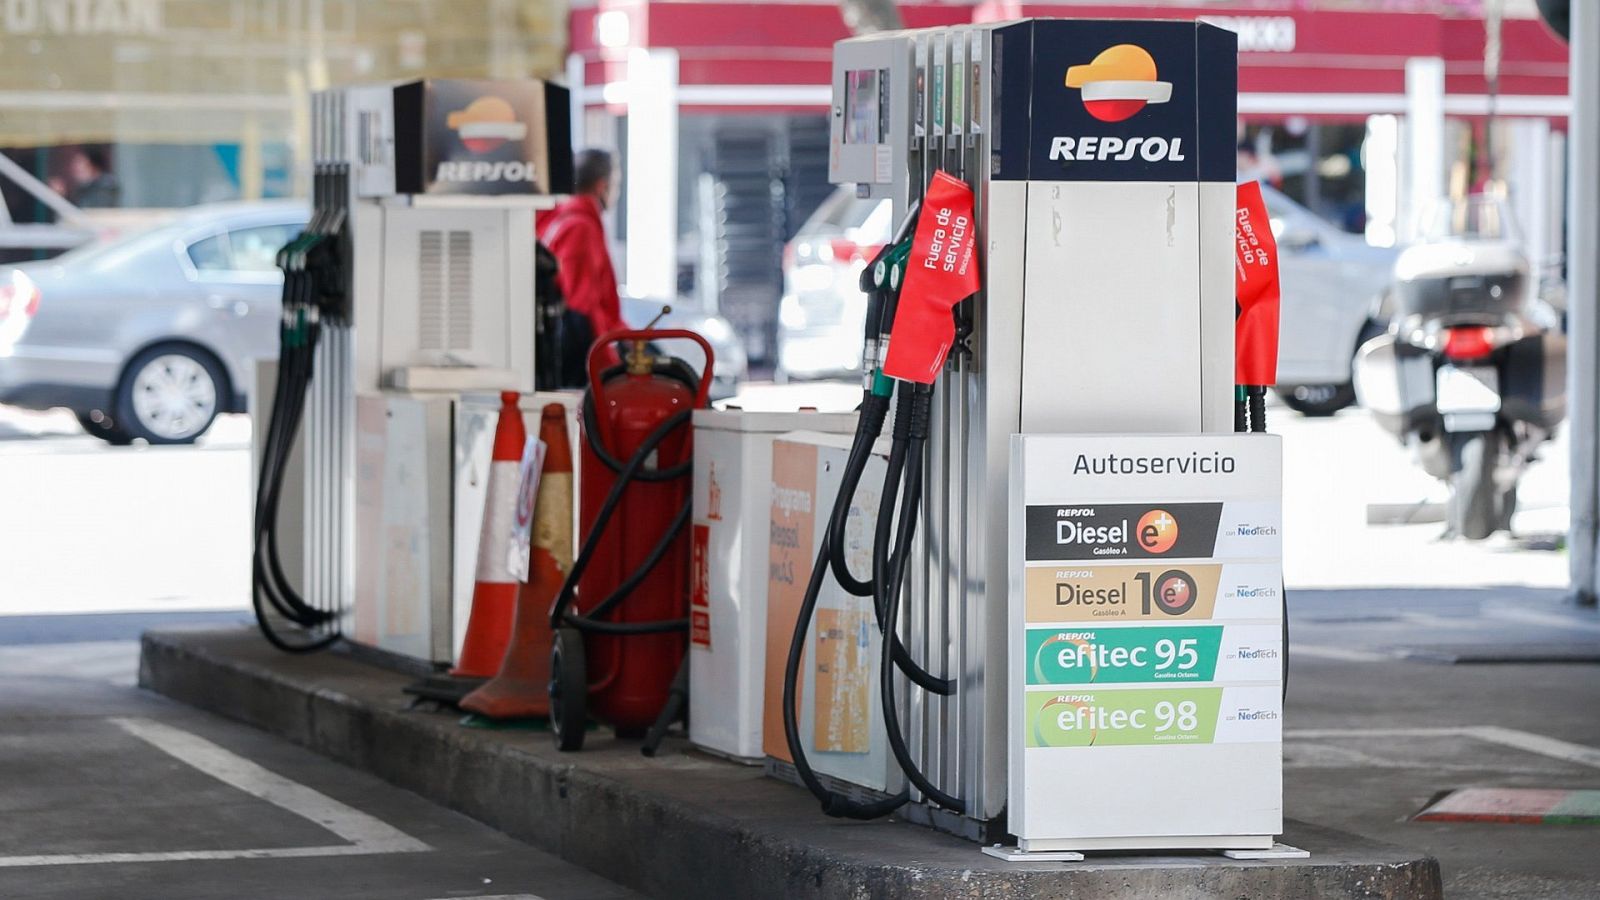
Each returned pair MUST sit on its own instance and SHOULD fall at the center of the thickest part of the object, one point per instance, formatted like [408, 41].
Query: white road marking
[496, 897]
[1535, 617]
[1553, 748]
[366, 834]
[1344, 654]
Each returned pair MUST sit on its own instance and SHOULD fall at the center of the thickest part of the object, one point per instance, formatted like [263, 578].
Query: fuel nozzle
[880, 281]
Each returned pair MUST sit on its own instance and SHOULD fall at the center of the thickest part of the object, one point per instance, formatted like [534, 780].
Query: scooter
[1471, 374]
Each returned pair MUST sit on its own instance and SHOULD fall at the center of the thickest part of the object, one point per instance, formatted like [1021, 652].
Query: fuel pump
[409, 305]
[1093, 162]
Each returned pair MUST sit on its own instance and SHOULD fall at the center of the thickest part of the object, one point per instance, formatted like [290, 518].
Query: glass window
[256, 249]
[210, 254]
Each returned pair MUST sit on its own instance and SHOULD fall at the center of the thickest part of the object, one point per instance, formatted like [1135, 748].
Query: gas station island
[1014, 627]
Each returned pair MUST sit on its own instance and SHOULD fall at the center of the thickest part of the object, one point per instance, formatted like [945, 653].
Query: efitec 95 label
[1153, 654]
[1122, 655]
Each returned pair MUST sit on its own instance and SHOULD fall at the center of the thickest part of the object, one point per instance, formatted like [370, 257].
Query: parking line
[366, 835]
[1539, 744]
[1343, 654]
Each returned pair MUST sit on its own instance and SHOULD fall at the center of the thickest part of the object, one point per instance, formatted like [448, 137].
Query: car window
[210, 254]
[876, 227]
[256, 249]
[253, 249]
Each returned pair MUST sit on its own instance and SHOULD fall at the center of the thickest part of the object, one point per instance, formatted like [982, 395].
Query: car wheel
[1317, 399]
[100, 425]
[170, 394]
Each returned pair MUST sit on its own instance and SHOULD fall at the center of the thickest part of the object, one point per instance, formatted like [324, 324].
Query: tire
[1473, 512]
[1317, 400]
[103, 428]
[1505, 506]
[569, 690]
[170, 394]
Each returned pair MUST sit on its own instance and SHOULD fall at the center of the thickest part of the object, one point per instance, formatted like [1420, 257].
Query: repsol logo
[483, 170]
[1084, 149]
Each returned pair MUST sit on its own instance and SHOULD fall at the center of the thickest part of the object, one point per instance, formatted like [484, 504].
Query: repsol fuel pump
[1093, 162]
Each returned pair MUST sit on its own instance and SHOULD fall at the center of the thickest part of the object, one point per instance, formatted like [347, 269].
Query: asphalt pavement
[1380, 721]
[109, 791]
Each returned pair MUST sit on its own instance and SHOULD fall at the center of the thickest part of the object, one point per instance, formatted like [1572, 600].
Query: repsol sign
[1083, 149]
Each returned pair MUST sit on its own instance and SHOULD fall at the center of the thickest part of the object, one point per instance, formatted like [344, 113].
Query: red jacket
[573, 232]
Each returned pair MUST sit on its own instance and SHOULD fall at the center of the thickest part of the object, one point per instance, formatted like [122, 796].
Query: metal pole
[1583, 292]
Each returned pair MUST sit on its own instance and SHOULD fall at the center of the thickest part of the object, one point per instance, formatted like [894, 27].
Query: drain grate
[1515, 806]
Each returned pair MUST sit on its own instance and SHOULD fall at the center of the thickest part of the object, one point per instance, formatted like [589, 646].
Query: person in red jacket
[575, 234]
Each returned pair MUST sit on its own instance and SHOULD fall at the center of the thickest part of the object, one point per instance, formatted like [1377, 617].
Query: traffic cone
[522, 689]
[494, 595]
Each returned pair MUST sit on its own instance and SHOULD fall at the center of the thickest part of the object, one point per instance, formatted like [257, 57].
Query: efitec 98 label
[1122, 718]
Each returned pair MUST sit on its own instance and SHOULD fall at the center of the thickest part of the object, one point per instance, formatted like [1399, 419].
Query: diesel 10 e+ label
[1121, 718]
[1066, 593]
[1152, 654]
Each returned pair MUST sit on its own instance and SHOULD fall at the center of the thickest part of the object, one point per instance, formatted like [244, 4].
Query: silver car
[151, 335]
[1330, 279]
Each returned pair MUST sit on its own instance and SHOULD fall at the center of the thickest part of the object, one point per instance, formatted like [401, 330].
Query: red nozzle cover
[1255, 268]
[940, 272]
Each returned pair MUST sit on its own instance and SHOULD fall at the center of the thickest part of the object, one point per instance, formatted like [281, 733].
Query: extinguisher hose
[631, 470]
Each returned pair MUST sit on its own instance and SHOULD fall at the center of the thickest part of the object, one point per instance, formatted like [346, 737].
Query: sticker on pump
[940, 272]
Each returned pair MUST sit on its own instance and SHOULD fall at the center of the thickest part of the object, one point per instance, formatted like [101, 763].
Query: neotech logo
[1119, 82]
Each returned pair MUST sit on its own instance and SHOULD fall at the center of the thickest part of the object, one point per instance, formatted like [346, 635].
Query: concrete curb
[686, 825]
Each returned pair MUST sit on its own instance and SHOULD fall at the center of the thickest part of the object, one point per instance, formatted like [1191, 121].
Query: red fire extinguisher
[621, 619]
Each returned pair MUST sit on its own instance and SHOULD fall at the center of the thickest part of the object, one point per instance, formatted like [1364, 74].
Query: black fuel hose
[834, 804]
[874, 409]
[890, 565]
[909, 505]
[299, 334]
[907, 404]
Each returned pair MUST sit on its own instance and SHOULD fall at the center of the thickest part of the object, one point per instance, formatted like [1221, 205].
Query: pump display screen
[864, 108]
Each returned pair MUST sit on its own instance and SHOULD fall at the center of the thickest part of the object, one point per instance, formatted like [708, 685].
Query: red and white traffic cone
[494, 595]
[522, 689]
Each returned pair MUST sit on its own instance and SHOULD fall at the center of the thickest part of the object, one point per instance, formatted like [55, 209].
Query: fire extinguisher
[621, 618]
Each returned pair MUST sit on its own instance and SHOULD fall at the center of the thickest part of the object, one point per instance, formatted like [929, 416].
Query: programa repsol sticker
[1109, 100]
[1122, 531]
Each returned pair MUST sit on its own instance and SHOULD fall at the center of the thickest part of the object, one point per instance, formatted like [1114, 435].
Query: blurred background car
[823, 311]
[150, 335]
[1332, 283]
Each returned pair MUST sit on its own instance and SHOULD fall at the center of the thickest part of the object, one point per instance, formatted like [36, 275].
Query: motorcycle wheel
[1506, 507]
[1473, 506]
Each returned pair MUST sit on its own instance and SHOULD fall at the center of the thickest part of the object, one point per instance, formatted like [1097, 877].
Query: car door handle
[220, 302]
